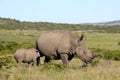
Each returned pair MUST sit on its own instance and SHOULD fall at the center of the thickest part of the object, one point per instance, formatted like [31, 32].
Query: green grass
[100, 69]
[108, 41]
[105, 70]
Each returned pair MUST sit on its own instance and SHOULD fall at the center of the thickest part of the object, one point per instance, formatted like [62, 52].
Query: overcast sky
[61, 11]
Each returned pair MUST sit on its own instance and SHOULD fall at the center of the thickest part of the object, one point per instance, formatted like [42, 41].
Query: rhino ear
[83, 37]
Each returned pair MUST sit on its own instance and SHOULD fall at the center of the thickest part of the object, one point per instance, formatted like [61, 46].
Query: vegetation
[96, 42]
[24, 34]
[6, 23]
[56, 71]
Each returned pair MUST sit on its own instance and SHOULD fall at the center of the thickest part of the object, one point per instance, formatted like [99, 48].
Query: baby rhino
[27, 56]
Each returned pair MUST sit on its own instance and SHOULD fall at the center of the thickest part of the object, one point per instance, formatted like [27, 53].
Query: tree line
[12, 24]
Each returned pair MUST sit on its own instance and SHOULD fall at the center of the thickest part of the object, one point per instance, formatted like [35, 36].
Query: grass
[108, 41]
[100, 69]
[103, 71]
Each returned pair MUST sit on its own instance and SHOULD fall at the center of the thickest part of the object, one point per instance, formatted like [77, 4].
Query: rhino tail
[36, 47]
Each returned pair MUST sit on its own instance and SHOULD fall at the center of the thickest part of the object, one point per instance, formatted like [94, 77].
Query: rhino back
[30, 54]
[25, 55]
[49, 42]
[19, 55]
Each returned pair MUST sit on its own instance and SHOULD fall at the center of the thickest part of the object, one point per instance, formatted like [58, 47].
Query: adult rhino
[63, 45]
[27, 56]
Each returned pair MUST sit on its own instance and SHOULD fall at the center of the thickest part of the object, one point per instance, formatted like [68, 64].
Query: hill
[7, 23]
[108, 23]
[116, 22]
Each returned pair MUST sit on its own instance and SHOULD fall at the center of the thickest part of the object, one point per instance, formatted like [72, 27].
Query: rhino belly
[50, 52]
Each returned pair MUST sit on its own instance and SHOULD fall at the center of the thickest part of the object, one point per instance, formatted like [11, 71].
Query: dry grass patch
[104, 70]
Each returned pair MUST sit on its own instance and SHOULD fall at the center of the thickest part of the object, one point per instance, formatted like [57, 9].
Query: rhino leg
[64, 58]
[21, 64]
[38, 61]
[70, 57]
[47, 59]
[19, 61]
[34, 62]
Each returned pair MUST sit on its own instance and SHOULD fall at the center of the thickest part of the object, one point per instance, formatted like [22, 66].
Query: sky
[61, 11]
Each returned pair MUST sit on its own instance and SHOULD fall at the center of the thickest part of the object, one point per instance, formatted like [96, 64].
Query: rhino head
[83, 53]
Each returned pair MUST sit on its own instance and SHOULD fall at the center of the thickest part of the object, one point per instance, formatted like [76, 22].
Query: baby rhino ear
[83, 37]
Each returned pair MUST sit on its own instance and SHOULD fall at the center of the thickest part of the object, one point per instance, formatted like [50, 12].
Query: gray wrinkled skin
[27, 56]
[63, 45]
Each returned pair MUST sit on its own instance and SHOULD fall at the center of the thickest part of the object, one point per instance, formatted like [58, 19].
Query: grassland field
[100, 69]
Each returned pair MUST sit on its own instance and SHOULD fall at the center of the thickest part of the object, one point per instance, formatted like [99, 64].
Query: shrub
[8, 46]
[108, 54]
[112, 55]
[6, 61]
[7, 49]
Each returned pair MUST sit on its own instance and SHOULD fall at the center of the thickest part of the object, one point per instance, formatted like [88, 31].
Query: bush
[7, 49]
[112, 55]
[8, 46]
[108, 54]
[6, 61]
